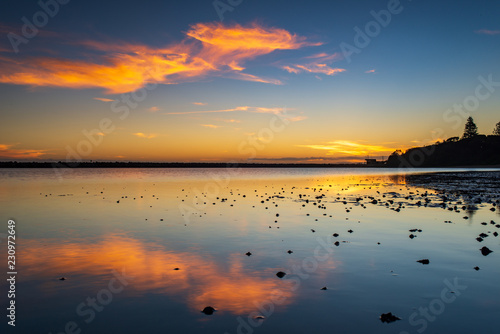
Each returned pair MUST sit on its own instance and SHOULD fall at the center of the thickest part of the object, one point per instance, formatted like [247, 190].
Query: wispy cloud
[199, 103]
[103, 99]
[320, 64]
[208, 49]
[349, 147]
[6, 151]
[154, 109]
[297, 118]
[327, 159]
[144, 135]
[230, 120]
[370, 71]
[260, 110]
[487, 32]
[212, 126]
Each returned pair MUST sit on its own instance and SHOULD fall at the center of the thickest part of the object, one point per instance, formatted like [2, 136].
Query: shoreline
[14, 164]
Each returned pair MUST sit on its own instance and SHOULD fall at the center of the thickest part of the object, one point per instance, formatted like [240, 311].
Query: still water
[146, 250]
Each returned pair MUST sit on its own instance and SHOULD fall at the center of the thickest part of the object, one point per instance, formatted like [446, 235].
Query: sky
[239, 80]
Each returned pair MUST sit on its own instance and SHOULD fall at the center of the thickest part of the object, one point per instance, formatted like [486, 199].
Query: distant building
[374, 162]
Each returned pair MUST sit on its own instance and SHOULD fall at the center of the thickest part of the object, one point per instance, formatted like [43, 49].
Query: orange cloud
[370, 71]
[154, 109]
[210, 126]
[210, 48]
[199, 103]
[146, 136]
[230, 120]
[103, 99]
[351, 148]
[318, 65]
[7, 152]
[297, 118]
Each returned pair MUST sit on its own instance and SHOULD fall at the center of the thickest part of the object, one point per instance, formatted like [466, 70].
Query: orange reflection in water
[357, 184]
[200, 279]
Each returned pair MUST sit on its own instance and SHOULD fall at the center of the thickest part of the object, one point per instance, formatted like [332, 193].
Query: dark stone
[424, 261]
[485, 250]
[324, 288]
[280, 274]
[209, 310]
[388, 317]
[248, 253]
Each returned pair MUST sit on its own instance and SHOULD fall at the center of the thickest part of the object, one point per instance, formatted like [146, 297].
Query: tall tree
[496, 131]
[470, 129]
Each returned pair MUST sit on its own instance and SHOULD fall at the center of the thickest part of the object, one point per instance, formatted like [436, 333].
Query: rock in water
[280, 274]
[248, 253]
[424, 261]
[485, 251]
[388, 317]
[209, 310]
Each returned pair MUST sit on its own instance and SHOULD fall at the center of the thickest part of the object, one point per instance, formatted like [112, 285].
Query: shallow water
[117, 236]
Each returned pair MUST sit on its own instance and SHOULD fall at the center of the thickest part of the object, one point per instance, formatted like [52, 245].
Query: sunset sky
[267, 81]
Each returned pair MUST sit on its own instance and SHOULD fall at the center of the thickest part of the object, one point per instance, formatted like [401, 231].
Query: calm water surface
[146, 250]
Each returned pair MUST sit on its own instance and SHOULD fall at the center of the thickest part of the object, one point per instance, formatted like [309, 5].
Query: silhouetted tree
[470, 129]
[496, 131]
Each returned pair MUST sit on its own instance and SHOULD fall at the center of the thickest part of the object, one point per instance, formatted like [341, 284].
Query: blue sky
[392, 94]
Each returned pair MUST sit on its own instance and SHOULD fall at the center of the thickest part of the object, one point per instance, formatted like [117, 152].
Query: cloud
[350, 148]
[144, 135]
[6, 151]
[229, 120]
[154, 109]
[211, 126]
[487, 32]
[199, 103]
[327, 159]
[297, 118]
[260, 110]
[103, 99]
[370, 71]
[291, 69]
[320, 64]
[208, 49]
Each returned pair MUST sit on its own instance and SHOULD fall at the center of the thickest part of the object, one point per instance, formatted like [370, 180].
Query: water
[118, 236]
